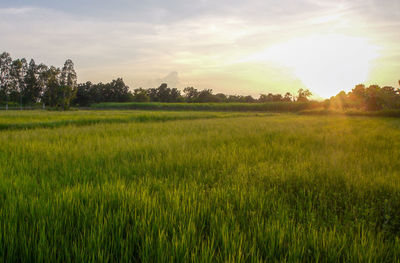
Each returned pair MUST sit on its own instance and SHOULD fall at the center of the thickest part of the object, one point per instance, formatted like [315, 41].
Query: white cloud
[198, 39]
[17, 11]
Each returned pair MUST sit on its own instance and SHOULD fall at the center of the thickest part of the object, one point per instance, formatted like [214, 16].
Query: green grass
[381, 113]
[203, 188]
[16, 120]
[261, 107]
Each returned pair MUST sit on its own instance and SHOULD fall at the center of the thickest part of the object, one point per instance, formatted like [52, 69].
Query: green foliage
[373, 98]
[303, 95]
[53, 119]
[33, 88]
[115, 91]
[353, 112]
[214, 187]
[164, 94]
[28, 84]
[261, 107]
[140, 95]
[5, 76]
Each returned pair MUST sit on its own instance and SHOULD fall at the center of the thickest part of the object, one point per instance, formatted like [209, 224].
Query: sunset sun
[326, 64]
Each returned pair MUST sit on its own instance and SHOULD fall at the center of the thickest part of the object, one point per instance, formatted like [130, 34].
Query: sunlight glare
[325, 64]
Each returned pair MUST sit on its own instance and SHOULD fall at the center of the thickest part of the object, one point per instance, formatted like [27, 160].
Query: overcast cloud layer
[208, 44]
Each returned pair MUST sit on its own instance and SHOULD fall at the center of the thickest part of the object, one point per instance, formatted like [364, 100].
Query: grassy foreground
[16, 120]
[204, 188]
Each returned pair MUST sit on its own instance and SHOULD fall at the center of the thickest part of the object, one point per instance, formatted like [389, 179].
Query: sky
[231, 46]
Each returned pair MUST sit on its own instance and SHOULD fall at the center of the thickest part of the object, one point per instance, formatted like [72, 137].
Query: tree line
[371, 98]
[23, 83]
[26, 83]
[89, 93]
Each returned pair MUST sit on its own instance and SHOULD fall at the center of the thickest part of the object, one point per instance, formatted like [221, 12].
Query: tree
[42, 76]
[33, 89]
[164, 94]
[220, 97]
[277, 97]
[68, 83]
[248, 99]
[19, 68]
[340, 101]
[288, 97]
[83, 96]
[234, 98]
[191, 94]
[389, 97]
[19, 71]
[53, 95]
[358, 96]
[5, 76]
[115, 91]
[140, 95]
[270, 98]
[264, 98]
[373, 100]
[175, 95]
[303, 95]
[120, 91]
[205, 96]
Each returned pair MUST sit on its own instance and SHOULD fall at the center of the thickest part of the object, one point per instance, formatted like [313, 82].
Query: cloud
[172, 79]
[17, 11]
[143, 40]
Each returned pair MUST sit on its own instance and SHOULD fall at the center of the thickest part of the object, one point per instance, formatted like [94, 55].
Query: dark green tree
[373, 99]
[206, 95]
[68, 84]
[5, 76]
[53, 95]
[220, 97]
[288, 97]
[140, 95]
[358, 96]
[303, 95]
[83, 96]
[33, 87]
[19, 69]
[191, 94]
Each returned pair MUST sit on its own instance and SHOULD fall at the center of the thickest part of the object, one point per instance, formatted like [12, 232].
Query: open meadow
[156, 186]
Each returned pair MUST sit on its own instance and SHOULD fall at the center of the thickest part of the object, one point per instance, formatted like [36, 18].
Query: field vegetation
[198, 186]
[234, 107]
[11, 120]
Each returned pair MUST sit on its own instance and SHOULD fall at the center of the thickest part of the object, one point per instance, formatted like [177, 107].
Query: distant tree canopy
[28, 83]
[192, 95]
[303, 95]
[115, 91]
[370, 98]
[25, 83]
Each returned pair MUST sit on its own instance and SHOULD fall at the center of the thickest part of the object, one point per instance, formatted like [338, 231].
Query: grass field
[238, 107]
[15, 120]
[101, 186]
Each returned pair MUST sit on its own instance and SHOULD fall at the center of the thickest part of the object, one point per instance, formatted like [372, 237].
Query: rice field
[145, 186]
[237, 107]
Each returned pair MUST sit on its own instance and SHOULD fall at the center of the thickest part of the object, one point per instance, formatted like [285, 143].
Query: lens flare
[325, 64]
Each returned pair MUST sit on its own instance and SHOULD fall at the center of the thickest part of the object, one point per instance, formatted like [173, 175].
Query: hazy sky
[236, 47]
